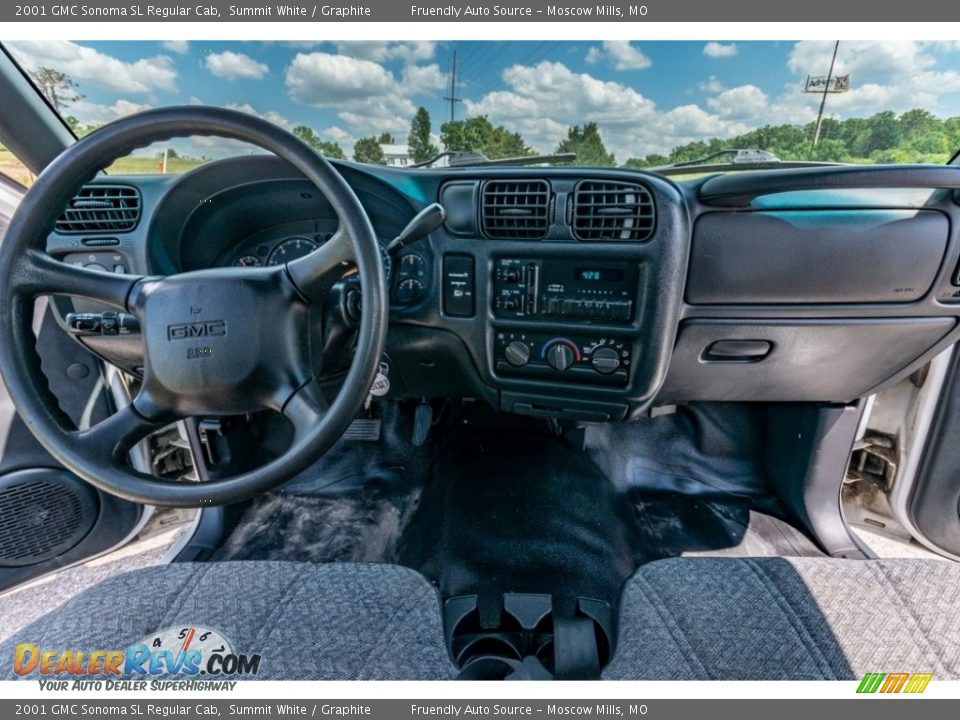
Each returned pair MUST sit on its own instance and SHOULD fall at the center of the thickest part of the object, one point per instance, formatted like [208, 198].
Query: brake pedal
[363, 429]
[422, 420]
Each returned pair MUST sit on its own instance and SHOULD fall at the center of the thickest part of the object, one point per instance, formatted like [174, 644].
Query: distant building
[397, 155]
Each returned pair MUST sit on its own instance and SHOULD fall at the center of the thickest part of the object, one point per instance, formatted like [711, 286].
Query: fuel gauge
[248, 261]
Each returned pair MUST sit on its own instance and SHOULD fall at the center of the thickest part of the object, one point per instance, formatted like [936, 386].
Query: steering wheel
[224, 341]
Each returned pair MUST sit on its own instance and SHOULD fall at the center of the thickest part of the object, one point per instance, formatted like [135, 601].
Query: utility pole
[824, 85]
[452, 97]
[826, 89]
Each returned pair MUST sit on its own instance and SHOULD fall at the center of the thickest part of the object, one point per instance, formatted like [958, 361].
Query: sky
[646, 97]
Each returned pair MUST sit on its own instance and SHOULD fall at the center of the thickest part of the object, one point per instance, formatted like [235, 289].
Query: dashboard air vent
[517, 209]
[101, 208]
[608, 210]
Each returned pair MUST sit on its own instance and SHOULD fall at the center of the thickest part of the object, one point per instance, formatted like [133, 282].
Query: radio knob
[511, 274]
[605, 360]
[517, 353]
[560, 356]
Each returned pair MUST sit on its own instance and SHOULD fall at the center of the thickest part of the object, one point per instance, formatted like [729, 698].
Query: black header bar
[338, 11]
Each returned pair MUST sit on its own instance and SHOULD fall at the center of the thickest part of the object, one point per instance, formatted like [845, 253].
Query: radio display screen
[599, 274]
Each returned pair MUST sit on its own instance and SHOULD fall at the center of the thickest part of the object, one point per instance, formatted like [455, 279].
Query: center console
[546, 291]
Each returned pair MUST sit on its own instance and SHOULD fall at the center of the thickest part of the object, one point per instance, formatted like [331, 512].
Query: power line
[452, 97]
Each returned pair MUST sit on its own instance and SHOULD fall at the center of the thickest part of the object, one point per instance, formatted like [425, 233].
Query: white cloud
[90, 113]
[368, 98]
[338, 134]
[621, 54]
[711, 85]
[326, 80]
[542, 101]
[376, 51]
[744, 102]
[421, 79]
[719, 50]
[271, 115]
[231, 66]
[566, 93]
[180, 47]
[86, 65]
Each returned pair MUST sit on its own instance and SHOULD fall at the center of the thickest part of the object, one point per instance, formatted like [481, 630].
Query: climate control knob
[605, 360]
[517, 353]
[560, 356]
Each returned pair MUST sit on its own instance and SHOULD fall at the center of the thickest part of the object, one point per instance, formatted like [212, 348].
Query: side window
[11, 167]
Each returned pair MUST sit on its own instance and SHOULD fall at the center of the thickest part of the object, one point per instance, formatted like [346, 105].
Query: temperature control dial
[560, 356]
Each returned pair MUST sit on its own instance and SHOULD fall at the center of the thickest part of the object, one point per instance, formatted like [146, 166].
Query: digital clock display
[599, 274]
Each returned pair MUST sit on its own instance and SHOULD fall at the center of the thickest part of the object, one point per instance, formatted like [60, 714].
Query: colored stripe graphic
[918, 682]
[892, 683]
[871, 682]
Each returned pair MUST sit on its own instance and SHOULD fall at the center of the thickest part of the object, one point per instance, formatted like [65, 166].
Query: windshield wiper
[740, 159]
[459, 158]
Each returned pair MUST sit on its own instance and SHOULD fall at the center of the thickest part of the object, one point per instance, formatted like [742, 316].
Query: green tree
[478, 135]
[368, 150]
[586, 142]
[77, 128]
[386, 139]
[57, 87]
[324, 147]
[421, 148]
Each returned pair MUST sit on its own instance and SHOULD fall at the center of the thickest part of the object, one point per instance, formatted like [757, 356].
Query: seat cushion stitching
[190, 583]
[796, 622]
[679, 637]
[893, 591]
[391, 625]
[285, 598]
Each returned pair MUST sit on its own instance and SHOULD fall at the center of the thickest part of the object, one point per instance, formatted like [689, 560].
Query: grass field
[133, 165]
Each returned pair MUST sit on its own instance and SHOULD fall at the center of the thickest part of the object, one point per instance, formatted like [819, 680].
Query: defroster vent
[608, 210]
[101, 208]
[517, 209]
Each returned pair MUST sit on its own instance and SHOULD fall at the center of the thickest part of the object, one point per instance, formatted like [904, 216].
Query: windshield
[605, 104]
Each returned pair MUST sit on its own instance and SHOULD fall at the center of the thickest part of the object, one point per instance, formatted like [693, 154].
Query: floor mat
[507, 506]
[520, 511]
[676, 525]
[360, 526]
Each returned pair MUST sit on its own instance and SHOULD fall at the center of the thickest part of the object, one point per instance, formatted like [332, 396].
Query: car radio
[564, 288]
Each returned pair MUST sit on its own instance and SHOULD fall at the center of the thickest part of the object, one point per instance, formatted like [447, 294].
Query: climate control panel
[585, 359]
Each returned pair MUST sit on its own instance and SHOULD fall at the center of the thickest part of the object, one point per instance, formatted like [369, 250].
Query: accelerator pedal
[422, 420]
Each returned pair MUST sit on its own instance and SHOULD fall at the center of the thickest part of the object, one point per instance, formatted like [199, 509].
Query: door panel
[935, 501]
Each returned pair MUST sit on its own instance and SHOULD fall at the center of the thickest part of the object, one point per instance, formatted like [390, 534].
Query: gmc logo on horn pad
[189, 331]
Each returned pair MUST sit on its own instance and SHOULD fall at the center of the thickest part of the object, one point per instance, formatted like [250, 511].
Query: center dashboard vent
[609, 210]
[101, 208]
[517, 209]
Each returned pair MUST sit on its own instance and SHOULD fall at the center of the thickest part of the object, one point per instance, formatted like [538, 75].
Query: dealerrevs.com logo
[189, 652]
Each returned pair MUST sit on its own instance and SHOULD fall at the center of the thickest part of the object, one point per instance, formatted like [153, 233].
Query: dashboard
[583, 294]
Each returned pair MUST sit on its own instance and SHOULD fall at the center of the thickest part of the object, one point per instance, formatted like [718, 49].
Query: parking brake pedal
[422, 420]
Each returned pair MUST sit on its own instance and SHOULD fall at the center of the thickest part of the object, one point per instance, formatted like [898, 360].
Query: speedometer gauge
[291, 249]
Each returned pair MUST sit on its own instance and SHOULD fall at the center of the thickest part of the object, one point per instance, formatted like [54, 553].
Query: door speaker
[44, 513]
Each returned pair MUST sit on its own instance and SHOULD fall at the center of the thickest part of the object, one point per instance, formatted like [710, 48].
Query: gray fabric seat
[788, 619]
[341, 621]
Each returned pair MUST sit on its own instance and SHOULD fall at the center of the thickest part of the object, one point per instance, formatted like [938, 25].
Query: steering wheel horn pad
[222, 342]
[216, 342]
